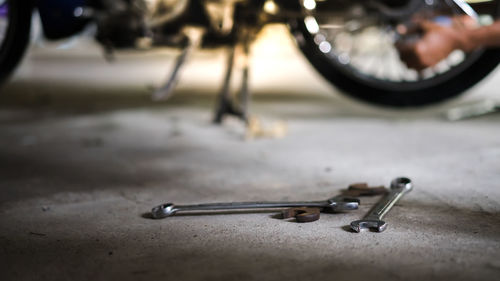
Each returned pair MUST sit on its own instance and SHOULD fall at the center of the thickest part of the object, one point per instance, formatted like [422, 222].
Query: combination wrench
[335, 204]
[399, 187]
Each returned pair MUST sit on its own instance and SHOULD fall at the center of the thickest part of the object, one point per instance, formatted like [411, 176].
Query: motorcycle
[349, 42]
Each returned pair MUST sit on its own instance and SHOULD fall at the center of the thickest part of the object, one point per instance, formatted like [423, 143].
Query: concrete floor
[85, 154]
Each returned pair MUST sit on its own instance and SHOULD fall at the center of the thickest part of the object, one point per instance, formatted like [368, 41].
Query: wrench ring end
[402, 183]
[375, 225]
[163, 211]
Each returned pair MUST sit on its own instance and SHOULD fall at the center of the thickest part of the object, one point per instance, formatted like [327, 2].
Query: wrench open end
[375, 225]
[342, 203]
[163, 211]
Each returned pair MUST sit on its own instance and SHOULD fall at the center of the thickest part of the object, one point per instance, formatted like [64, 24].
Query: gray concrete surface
[84, 154]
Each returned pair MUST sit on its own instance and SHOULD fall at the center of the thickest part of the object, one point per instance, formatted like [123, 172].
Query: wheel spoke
[363, 44]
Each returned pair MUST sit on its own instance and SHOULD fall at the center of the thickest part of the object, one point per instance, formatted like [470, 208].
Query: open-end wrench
[399, 187]
[337, 203]
[301, 214]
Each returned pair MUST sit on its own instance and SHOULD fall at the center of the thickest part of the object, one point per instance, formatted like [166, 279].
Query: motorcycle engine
[160, 12]
[126, 21]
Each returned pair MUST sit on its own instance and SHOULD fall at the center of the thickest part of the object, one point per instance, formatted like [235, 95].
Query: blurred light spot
[456, 57]
[352, 25]
[410, 75]
[486, 20]
[311, 25]
[319, 38]
[270, 7]
[441, 67]
[357, 10]
[427, 73]
[78, 12]
[310, 4]
[344, 42]
[344, 58]
[325, 47]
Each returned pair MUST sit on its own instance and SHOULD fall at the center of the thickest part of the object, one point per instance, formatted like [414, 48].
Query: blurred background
[75, 68]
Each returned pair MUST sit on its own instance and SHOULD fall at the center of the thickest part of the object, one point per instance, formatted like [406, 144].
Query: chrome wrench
[337, 203]
[399, 187]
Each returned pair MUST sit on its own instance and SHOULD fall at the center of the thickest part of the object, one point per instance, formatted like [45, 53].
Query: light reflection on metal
[309, 4]
[311, 25]
[467, 9]
[478, 1]
[331, 26]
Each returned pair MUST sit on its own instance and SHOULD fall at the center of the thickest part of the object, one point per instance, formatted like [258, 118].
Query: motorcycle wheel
[339, 58]
[15, 24]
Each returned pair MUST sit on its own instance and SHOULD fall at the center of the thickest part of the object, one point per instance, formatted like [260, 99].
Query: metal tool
[194, 36]
[301, 214]
[362, 189]
[399, 187]
[337, 203]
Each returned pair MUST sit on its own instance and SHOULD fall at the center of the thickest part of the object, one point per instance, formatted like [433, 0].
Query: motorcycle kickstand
[225, 105]
[245, 95]
[194, 37]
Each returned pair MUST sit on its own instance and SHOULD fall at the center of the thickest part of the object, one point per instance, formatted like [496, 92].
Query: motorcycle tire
[16, 36]
[379, 92]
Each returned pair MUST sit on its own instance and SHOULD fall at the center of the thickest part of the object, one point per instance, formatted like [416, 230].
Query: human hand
[436, 43]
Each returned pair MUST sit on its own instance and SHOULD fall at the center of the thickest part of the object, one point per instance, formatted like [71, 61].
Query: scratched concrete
[84, 154]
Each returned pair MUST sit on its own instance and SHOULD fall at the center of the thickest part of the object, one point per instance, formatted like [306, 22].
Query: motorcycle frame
[54, 12]
[58, 17]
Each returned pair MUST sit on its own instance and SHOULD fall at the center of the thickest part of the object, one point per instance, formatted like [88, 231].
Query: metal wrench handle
[399, 187]
[336, 203]
[248, 205]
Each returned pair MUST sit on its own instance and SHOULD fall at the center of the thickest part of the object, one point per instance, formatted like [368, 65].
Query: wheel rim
[4, 20]
[362, 46]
